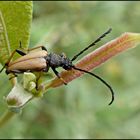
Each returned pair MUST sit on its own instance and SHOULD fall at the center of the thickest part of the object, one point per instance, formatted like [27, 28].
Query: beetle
[41, 61]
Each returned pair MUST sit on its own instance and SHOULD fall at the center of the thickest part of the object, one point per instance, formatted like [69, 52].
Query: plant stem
[6, 116]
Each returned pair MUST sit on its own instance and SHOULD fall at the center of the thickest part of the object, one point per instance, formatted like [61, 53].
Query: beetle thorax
[55, 60]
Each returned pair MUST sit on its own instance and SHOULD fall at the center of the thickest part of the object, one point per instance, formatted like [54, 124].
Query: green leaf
[18, 97]
[4, 42]
[15, 24]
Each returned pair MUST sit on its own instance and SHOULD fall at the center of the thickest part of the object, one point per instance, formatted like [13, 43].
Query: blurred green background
[80, 110]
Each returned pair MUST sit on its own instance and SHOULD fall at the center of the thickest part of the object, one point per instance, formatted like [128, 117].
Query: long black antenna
[92, 44]
[99, 78]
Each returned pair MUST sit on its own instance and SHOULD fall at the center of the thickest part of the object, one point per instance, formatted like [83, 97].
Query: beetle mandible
[42, 61]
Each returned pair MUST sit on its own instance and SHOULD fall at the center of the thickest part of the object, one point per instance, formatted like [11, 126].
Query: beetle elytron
[42, 61]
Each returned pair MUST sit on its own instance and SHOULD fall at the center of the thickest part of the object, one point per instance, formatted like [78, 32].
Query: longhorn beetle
[41, 61]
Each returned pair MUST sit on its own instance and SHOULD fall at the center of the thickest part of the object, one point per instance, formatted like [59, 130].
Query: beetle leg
[11, 57]
[16, 71]
[42, 47]
[6, 64]
[20, 52]
[14, 75]
[2, 68]
[37, 80]
[20, 46]
[58, 75]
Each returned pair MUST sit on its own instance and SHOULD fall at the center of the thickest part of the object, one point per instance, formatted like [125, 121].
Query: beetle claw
[65, 83]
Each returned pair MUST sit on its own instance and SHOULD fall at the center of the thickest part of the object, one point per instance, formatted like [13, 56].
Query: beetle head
[66, 62]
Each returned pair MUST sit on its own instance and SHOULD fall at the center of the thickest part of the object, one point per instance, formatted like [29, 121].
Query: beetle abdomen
[31, 55]
[33, 61]
[34, 64]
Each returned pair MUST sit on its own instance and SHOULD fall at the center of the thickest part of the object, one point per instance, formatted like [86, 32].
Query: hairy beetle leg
[57, 74]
